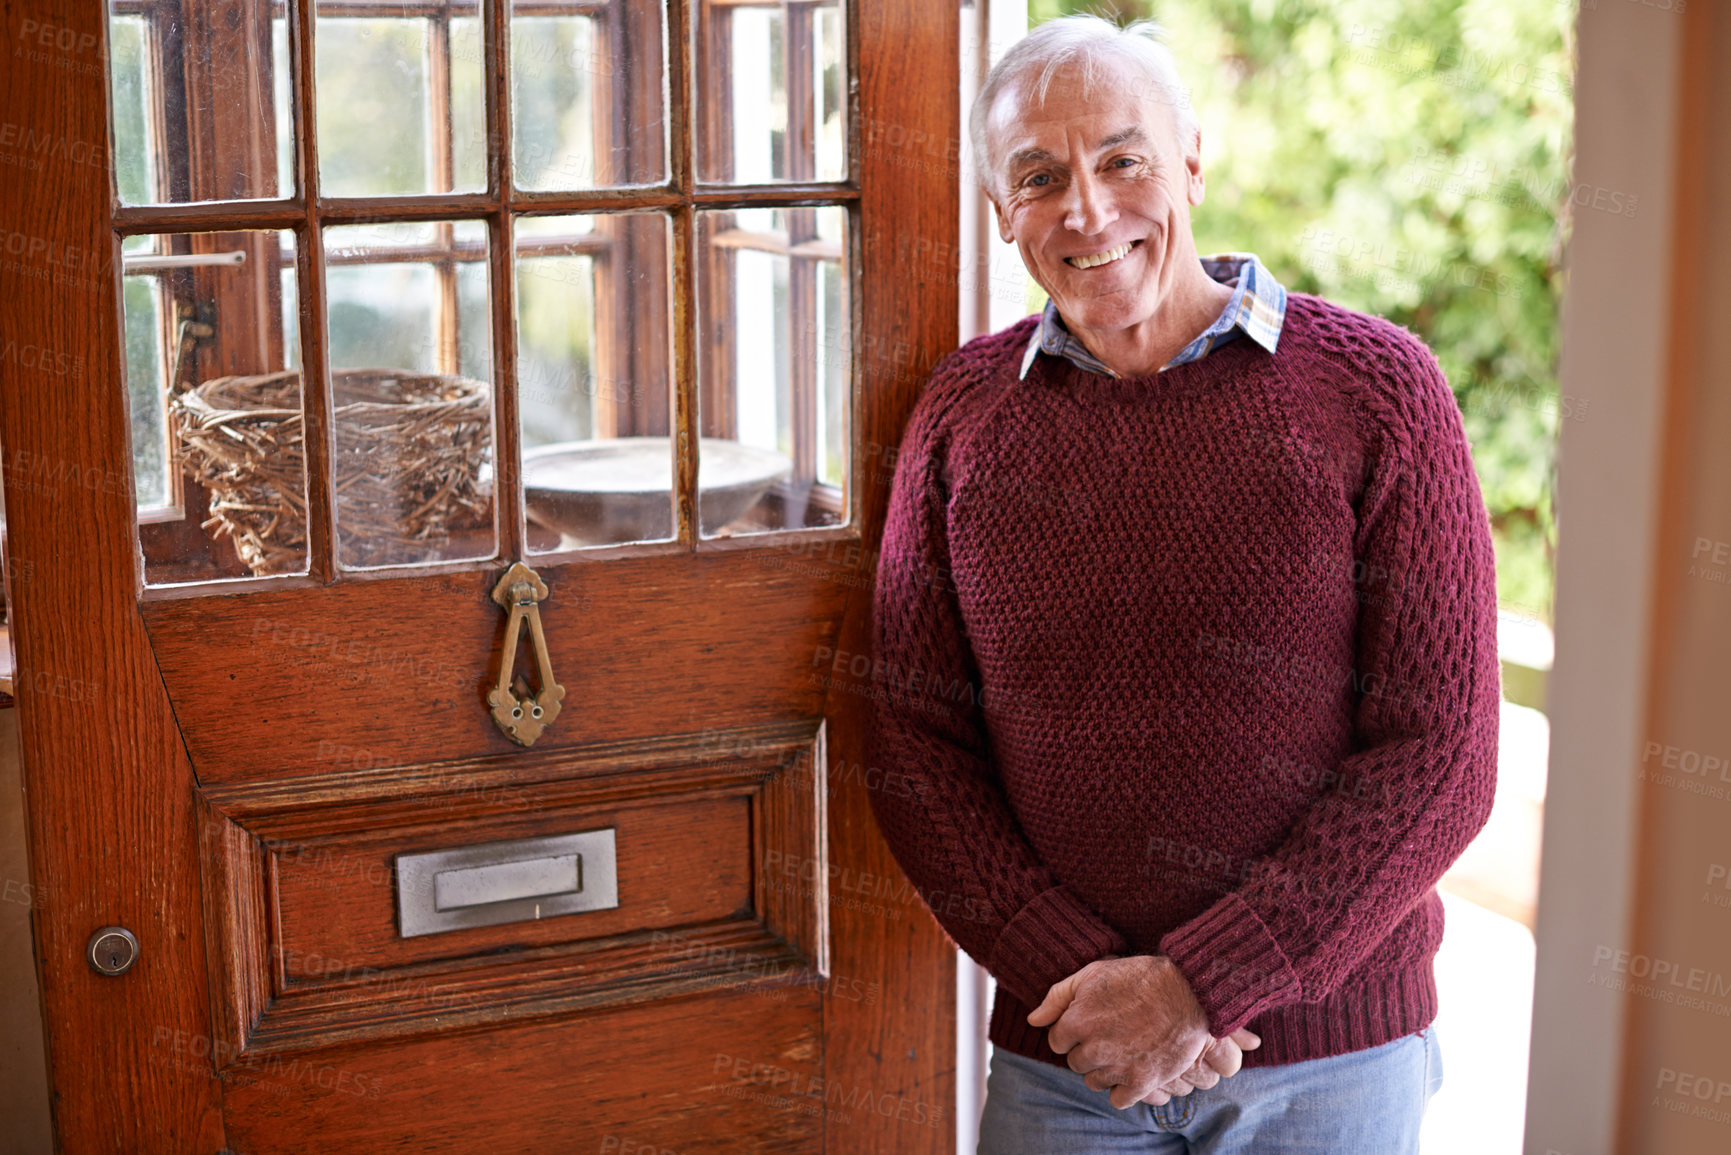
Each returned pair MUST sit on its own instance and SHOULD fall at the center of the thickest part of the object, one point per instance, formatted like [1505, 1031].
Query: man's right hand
[1221, 1059]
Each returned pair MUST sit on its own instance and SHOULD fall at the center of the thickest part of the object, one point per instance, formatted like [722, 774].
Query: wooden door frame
[112, 822]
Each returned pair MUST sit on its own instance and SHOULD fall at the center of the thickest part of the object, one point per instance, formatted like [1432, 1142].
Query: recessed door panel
[741, 1079]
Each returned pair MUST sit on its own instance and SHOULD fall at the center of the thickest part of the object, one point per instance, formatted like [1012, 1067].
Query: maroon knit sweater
[1200, 664]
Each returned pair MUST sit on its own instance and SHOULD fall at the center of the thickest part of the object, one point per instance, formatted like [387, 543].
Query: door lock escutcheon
[112, 951]
[523, 716]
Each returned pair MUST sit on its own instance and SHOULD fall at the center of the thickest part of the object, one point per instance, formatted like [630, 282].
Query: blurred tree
[372, 123]
[1409, 159]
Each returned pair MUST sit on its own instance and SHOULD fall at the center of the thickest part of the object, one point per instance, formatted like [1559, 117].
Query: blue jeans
[1366, 1102]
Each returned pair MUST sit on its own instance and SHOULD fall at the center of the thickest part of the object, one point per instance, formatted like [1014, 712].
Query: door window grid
[499, 206]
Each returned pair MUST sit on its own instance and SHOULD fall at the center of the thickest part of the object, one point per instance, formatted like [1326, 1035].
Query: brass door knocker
[523, 718]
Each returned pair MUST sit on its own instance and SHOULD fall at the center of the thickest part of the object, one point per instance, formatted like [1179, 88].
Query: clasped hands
[1133, 1025]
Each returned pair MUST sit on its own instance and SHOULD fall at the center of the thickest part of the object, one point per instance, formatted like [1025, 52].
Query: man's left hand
[1131, 1024]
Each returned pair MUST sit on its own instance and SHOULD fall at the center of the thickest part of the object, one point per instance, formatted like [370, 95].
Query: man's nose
[1088, 208]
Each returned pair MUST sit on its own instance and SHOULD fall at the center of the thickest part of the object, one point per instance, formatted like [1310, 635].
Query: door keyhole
[112, 951]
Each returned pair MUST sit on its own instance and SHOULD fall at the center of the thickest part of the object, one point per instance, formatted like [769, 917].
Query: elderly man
[1186, 612]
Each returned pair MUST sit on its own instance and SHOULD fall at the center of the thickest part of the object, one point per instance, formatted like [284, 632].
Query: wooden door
[231, 754]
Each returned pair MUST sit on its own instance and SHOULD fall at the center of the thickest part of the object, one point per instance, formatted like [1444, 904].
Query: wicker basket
[409, 455]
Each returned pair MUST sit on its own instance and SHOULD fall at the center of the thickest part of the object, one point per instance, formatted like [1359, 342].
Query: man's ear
[1003, 224]
[1193, 168]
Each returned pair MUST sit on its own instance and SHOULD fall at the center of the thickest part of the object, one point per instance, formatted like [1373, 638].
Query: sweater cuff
[1051, 938]
[1233, 965]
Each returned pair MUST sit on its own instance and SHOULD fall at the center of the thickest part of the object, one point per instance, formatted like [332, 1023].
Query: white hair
[1083, 40]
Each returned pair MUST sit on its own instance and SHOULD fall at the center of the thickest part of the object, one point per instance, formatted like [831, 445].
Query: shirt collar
[1257, 309]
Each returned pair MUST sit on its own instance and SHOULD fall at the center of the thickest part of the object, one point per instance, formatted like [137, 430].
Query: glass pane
[468, 104]
[411, 358]
[592, 379]
[833, 345]
[199, 105]
[774, 394]
[146, 389]
[771, 87]
[400, 104]
[216, 405]
[587, 97]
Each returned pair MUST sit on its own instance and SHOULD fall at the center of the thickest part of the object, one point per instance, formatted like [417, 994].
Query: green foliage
[1408, 159]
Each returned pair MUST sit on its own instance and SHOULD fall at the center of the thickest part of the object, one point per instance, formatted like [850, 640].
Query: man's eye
[1039, 180]
[1123, 162]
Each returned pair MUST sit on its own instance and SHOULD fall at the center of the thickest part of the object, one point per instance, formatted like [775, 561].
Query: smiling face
[1095, 190]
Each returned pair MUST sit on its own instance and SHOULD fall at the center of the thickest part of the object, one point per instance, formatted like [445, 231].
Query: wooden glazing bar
[507, 433]
[801, 139]
[562, 7]
[446, 324]
[286, 213]
[428, 207]
[757, 240]
[581, 245]
[774, 195]
[385, 254]
[680, 85]
[310, 276]
[853, 272]
[278, 214]
[433, 8]
[597, 200]
[439, 100]
[209, 217]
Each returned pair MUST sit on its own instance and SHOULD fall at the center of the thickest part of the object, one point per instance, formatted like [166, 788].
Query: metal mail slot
[499, 882]
[507, 881]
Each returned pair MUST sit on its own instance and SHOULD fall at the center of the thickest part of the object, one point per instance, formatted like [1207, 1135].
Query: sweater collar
[1257, 309]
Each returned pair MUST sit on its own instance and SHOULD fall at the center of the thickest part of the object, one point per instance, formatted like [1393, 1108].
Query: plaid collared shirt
[1257, 309]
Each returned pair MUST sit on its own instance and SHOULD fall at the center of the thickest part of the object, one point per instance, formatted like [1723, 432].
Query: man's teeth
[1104, 258]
